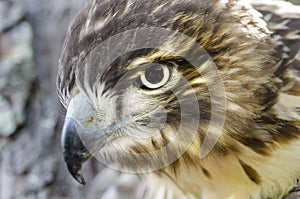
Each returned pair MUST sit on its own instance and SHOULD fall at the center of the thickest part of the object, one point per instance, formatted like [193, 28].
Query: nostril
[90, 119]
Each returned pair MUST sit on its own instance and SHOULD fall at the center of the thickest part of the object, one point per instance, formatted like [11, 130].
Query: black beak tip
[81, 180]
[77, 176]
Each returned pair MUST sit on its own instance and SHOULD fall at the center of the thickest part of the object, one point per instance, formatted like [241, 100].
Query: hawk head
[146, 83]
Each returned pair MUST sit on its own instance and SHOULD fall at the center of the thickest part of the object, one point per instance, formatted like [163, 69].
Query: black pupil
[154, 74]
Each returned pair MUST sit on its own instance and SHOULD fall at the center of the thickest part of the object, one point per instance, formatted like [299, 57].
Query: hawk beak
[74, 152]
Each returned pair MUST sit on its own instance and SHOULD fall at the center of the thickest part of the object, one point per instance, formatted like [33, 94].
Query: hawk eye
[155, 76]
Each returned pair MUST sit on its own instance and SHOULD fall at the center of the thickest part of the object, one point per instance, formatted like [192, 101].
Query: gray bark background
[31, 164]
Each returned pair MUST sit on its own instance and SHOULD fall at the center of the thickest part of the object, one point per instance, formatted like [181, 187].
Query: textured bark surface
[31, 164]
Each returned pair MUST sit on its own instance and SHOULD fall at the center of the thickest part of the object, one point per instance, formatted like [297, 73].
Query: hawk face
[146, 86]
[132, 118]
[141, 88]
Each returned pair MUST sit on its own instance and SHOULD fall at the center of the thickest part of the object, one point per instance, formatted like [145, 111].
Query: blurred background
[31, 164]
[295, 2]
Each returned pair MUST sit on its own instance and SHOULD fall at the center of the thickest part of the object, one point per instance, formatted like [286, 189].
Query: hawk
[199, 97]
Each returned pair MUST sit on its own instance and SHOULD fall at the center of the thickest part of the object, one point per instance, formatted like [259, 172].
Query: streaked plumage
[256, 48]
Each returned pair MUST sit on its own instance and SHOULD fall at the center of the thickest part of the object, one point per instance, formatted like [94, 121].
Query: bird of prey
[201, 98]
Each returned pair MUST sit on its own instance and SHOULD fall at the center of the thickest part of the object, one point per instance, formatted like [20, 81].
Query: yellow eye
[155, 76]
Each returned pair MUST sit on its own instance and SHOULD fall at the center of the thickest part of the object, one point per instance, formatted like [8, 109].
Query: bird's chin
[122, 153]
[134, 155]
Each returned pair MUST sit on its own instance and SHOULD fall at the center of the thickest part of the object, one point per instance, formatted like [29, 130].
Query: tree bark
[31, 36]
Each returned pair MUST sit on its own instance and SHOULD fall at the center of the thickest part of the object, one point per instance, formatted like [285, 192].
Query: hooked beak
[74, 152]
